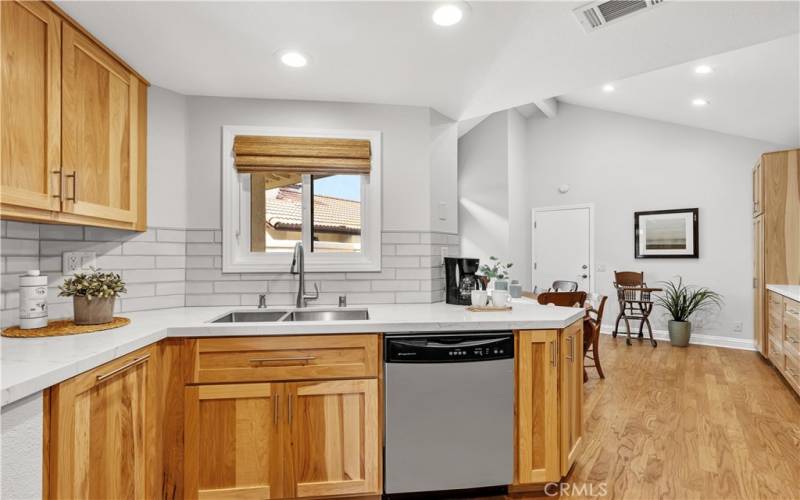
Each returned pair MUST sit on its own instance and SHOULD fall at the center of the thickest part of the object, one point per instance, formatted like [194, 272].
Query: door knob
[584, 276]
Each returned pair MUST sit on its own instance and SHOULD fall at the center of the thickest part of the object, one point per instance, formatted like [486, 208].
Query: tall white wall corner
[22, 434]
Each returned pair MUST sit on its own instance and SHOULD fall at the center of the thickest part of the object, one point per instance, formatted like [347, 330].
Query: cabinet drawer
[774, 298]
[792, 370]
[791, 315]
[250, 359]
[775, 329]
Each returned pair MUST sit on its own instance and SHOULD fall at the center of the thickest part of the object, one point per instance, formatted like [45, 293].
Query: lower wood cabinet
[101, 432]
[549, 403]
[783, 326]
[282, 440]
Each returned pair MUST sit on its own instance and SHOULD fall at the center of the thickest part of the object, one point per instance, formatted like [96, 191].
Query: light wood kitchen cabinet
[30, 89]
[298, 424]
[776, 239]
[570, 391]
[73, 122]
[232, 441]
[334, 438]
[101, 432]
[549, 404]
[783, 326]
[537, 407]
[759, 338]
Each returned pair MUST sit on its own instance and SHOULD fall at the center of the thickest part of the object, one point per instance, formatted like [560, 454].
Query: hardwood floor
[694, 423]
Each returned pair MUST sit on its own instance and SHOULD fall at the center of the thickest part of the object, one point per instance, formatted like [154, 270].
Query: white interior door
[562, 246]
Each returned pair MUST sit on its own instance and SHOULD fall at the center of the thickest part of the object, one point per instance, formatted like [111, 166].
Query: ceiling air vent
[598, 14]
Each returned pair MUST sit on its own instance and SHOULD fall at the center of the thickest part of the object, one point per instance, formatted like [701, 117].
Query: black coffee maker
[460, 280]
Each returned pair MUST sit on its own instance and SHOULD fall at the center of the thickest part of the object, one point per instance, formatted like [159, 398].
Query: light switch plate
[77, 262]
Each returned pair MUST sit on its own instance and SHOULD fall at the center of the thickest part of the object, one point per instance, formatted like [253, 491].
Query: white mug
[500, 298]
[478, 297]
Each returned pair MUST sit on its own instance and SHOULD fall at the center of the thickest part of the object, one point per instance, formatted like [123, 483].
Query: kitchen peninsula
[168, 368]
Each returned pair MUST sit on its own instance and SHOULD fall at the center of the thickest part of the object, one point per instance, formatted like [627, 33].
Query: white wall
[444, 173]
[166, 159]
[519, 232]
[21, 458]
[625, 164]
[406, 151]
[483, 189]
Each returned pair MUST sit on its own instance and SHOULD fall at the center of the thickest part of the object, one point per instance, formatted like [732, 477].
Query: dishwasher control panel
[449, 348]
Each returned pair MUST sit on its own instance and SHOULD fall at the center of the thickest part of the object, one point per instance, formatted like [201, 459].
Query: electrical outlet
[444, 254]
[77, 262]
[737, 327]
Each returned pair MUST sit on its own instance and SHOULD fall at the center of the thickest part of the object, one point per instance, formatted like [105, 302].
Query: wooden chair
[635, 303]
[564, 286]
[564, 299]
[591, 336]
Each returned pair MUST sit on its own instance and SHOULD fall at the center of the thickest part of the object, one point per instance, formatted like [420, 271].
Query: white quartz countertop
[31, 365]
[788, 291]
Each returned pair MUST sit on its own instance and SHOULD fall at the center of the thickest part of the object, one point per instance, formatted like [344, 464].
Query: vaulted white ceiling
[504, 54]
[752, 92]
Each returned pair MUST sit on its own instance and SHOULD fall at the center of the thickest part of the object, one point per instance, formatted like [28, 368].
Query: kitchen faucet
[298, 267]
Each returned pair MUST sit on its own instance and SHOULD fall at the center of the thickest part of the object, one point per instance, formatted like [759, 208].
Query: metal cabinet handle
[553, 360]
[571, 355]
[74, 176]
[130, 364]
[275, 411]
[289, 412]
[288, 358]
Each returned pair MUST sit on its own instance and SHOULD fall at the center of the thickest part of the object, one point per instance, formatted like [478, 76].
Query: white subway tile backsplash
[209, 275]
[153, 248]
[60, 232]
[386, 274]
[416, 274]
[395, 285]
[413, 250]
[19, 247]
[203, 249]
[404, 261]
[139, 290]
[345, 286]
[160, 302]
[22, 230]
[53, 247]
[240, 287]
[371, 298]
[199, 261]
[108, 234]
[198, 236]
[174, 288]
[409, 238]
[194, 287]
[218, 299]
[19, 264]
[171, 235]
[50, 264]
[173, 261]
[388, 250]
[153, 275]
[107, 262]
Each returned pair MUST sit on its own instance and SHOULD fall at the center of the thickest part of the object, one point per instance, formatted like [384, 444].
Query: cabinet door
[102, 432]
[334, 443]
[758, 189]
[537, 407]
[571, 394]
[30, 105]
[99, 132]
[759, 330]
[232, 441]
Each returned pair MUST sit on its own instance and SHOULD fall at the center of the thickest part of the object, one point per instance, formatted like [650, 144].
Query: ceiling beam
[465, 126]
[548, 106]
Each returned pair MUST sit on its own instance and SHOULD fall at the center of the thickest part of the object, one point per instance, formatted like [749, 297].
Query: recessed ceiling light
[608, 88]
[293, 58]
[704, 69]
[699, 102]
[450, 13]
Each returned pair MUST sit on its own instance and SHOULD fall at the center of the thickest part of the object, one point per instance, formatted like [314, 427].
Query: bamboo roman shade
[301, 155]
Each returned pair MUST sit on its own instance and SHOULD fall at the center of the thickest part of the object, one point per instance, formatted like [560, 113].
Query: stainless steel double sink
[298, 315]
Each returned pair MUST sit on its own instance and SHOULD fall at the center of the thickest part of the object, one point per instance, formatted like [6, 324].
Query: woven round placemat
[64, 327]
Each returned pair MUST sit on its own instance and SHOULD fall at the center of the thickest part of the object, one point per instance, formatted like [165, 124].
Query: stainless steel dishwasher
[449, 411]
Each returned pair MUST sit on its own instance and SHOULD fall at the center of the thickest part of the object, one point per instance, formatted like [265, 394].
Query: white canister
[32, 300]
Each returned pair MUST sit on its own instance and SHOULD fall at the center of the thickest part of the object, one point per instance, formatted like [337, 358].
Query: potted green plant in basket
[681, 302]
[497, 272]
[93, 295]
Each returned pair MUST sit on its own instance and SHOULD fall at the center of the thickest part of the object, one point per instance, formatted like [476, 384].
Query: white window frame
[236, 254]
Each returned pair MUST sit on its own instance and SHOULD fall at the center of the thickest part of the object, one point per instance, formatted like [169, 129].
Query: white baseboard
[696, 338]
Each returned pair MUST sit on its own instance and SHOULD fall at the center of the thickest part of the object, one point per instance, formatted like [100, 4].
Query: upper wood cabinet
[102, 433]
[30, 105]
[73, 121]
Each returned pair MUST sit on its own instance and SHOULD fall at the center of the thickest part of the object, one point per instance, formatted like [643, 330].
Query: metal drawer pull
[74, 176]
[130, 364]
[275, 409]
[290, 358]
[553, 353]
[60, 180]
[571, 356]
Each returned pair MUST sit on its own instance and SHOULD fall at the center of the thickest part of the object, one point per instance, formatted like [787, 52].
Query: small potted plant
[681, 302]
[497, 272]
[93, 295]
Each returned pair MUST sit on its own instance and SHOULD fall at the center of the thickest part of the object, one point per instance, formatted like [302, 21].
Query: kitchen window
[318, 187]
